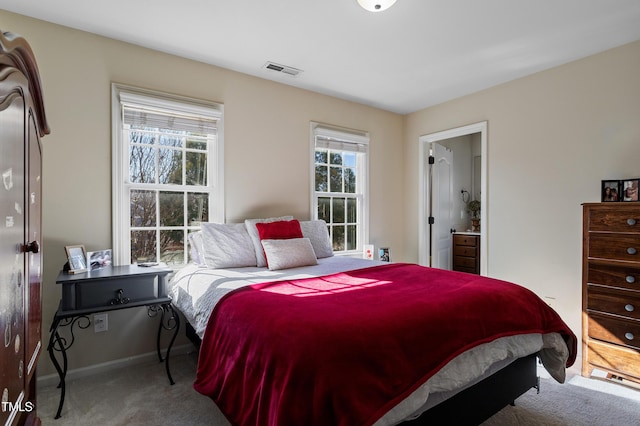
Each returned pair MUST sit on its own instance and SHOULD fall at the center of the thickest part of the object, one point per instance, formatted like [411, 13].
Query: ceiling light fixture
[376, 5]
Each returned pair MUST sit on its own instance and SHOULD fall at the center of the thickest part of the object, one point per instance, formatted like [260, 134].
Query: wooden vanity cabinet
[466, 253]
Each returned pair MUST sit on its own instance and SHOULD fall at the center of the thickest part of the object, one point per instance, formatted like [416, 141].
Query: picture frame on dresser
[610, 191]
[629, 189]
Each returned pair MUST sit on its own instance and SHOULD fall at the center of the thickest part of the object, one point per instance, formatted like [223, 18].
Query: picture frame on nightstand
[99, 259]
[77, 258]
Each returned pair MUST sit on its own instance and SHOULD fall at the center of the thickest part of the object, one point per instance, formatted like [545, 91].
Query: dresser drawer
[614, 276]
[617, 303]
[464, 251]
[464, 262]
[614, 219]
[619, 331]
[465, 240]
[614, 246]
[467, 270]
[614, 358]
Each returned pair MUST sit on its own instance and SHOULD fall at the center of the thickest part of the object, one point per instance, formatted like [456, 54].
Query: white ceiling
[416, 54]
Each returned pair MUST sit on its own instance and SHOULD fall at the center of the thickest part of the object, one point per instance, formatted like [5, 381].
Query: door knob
[32, 247]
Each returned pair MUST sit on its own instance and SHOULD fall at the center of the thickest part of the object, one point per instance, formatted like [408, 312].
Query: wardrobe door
[12, 259]
[33, 312]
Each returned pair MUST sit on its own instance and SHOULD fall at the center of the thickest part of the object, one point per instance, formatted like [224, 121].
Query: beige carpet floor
[141, 395]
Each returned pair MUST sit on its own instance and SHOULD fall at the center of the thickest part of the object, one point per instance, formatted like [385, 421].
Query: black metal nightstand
[109, 289]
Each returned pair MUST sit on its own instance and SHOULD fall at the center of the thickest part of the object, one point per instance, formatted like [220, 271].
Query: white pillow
[255, 236]
[227, 245]
[195, 247]
[317, 232]
[291, 253]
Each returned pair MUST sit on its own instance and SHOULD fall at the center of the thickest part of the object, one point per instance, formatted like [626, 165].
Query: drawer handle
[631, 222]
[631, 250]
[629, 308]
[630, 279]
[119, 300]
[628, 336]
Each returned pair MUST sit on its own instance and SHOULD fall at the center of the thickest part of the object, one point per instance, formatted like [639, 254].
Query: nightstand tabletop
[111, 272]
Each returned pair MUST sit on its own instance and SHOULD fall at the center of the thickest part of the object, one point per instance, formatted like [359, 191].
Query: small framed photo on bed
[629, 188]
[77, 258]
[610, 190]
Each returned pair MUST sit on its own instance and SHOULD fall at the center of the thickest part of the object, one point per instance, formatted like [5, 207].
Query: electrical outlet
[100, 323]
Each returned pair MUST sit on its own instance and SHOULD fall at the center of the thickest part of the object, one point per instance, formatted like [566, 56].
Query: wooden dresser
[22, 123]
[611, 289]
[466, 253]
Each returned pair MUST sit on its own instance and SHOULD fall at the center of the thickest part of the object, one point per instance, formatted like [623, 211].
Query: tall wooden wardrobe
[22, 124]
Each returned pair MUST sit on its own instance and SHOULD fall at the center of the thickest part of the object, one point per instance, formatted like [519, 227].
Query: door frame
[423, 196]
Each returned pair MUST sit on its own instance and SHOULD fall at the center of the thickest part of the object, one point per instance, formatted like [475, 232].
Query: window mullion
[185, 227]
[157, 227]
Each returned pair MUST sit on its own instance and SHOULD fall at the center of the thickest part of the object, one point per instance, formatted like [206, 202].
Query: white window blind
[143, 117]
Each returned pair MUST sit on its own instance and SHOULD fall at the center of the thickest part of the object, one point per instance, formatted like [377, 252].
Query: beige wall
[267, 156]
[552, 137]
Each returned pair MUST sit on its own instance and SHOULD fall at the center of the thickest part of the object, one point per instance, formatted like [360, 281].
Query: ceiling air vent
[282, 69]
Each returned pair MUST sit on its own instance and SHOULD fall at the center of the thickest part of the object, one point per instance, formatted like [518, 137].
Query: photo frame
[384, 254]
[629, 188]
[77, 257]
[367, 252]
[99, 259]
[610, 191]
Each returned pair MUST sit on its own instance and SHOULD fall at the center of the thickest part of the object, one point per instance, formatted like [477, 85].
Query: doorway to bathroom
[447, 186]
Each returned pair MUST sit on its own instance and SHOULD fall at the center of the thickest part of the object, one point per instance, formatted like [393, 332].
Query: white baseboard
[53, 379]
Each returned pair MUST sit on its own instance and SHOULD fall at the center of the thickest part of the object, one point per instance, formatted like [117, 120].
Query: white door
[441, 193]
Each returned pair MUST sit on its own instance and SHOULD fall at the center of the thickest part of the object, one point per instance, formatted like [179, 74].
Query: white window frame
[340, 138]
[126, 95]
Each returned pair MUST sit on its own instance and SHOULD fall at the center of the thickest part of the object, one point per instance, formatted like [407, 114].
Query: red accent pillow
[281, 230]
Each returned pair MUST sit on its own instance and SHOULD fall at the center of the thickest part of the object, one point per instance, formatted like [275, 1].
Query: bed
[291, 334]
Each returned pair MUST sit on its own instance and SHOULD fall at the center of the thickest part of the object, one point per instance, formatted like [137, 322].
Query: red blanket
[345, 348]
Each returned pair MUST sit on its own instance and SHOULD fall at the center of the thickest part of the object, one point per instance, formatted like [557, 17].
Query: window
[340, 182]
[167, 173]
